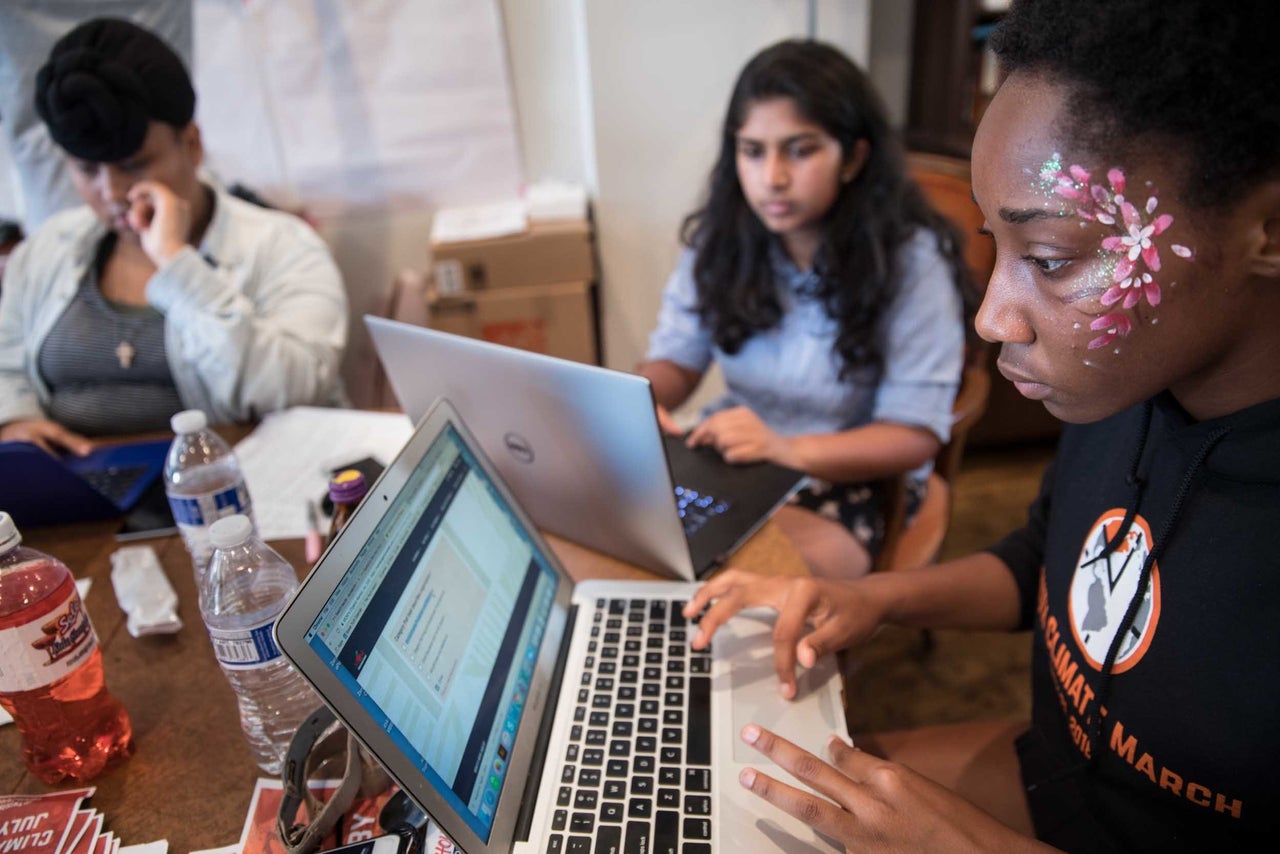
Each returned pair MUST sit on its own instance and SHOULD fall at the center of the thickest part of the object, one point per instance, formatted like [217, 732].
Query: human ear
[855, 161]
[1264, 231]
[192, 143]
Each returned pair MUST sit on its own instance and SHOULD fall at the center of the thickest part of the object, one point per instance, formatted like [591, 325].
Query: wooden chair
[945, 182]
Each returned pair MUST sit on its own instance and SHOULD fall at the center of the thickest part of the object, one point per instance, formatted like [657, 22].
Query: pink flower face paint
[1134, 254]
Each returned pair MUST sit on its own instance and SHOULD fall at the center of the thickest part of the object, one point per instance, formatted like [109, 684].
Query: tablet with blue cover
[38, 488]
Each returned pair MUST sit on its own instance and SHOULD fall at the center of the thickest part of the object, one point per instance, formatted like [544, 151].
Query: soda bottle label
[205, 509]
[244, 649]
[45, 650]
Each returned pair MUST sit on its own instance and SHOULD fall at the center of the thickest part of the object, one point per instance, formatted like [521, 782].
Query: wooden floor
[898, 682]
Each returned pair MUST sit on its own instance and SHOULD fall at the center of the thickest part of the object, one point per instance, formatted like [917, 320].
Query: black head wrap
[105, 81]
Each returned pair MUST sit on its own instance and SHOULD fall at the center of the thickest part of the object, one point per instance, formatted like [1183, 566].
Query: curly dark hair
[1191, 74]
[870, 219]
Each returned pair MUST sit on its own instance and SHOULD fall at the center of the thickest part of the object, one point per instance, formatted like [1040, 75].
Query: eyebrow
[1018, 216]
[800, 137]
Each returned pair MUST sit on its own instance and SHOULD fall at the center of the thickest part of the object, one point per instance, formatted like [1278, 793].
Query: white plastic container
[203, 481]
[242, 594]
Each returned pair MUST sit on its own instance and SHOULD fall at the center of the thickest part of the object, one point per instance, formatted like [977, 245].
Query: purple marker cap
[347, 487]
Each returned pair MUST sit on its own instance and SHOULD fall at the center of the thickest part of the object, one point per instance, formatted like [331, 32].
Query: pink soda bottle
[51, 668]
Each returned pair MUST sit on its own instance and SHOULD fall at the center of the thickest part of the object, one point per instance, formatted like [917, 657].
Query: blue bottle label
[205, 509]
[244, 649]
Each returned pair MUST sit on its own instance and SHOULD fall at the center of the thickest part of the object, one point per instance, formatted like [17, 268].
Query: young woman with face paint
[1129, 172]
[829, 294]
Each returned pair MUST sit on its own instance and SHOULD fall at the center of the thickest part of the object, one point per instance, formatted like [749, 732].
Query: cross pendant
[125, 353]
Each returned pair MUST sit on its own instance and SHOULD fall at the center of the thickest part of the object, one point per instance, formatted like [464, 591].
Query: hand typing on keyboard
[742, 437]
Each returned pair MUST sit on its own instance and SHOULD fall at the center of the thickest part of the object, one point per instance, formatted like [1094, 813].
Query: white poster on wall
[348, 105]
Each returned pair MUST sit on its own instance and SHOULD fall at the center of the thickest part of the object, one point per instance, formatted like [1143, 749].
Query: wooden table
[191, 775]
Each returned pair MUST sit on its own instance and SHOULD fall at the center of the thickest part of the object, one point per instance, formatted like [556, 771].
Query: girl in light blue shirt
[829, 293]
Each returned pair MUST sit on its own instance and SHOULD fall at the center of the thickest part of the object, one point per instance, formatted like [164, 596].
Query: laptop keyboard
[116, 481]
[696, 508]
[637, 772]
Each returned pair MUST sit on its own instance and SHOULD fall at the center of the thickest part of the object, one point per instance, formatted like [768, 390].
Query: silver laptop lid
[433, 627]
[579, 445]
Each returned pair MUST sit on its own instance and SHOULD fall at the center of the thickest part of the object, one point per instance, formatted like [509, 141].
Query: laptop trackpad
[809, 720]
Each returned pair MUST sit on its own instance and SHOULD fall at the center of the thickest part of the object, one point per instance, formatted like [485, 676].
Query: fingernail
[747, 777]
[751, 733]
[787, 691]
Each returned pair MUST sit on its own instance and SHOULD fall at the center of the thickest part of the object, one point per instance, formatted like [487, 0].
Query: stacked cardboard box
[534, 289]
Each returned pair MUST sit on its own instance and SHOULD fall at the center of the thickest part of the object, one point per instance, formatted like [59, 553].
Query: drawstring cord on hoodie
[1144, 579]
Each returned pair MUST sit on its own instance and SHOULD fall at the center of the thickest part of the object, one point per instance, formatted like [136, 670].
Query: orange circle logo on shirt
[1104, 585]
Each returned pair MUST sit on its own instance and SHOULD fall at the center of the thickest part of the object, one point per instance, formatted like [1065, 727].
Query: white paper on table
[288, 459]
[477, 222]
[160, 846]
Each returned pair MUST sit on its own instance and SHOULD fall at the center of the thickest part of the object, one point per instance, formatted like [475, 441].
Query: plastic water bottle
[203, 481]
[51, 668]
[242, 593]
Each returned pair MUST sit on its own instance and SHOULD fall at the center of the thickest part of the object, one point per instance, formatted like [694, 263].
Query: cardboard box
[557, 319]
[546, 253]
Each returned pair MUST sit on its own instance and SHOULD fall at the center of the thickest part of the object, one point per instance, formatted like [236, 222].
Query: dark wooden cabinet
[952, 76]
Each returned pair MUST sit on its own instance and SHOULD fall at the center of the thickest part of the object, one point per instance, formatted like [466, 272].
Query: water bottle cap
[230, 531]
[188, 421]
[347, 487]
[9, 536]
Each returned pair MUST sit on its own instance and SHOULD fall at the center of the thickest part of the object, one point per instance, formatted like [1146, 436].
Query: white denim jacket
[255, 320]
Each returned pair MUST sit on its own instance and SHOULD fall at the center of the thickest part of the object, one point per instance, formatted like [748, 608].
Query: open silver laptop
[581, 448]
[524, 713]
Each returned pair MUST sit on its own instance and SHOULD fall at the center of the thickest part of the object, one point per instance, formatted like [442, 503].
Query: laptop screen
[436, 626]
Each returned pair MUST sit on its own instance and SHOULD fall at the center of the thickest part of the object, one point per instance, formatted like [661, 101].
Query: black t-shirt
[1188, 746]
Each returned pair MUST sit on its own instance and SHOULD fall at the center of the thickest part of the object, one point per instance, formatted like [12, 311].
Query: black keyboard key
[639, 808]
[617, 606]
[643, 764]
[599, 718]
[593, 756]
[615, 790]
[555, 844]
[559, 819]
[672, 735]
[697, 805]
[566, 774]
[642, 786]
[566, 795]
[696, 848]
[579, 845]
[582, 822]
[597, 737]
[611, 811]
[638, 837]
[609, 840]
[571, 755]
[697, 828]
[666, 832]
[670, 756]
[669, 776]
[646, 744]
[622, 729]
[620, 748]
[585, 800]
[700, 664]
[668, 797]
[617, 768]
[589, 777]
[698, 743]
[697, 780]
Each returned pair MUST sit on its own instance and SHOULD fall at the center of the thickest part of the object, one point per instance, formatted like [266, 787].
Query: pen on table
[312, 540]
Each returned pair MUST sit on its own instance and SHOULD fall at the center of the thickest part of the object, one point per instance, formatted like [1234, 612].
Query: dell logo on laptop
[519, 447]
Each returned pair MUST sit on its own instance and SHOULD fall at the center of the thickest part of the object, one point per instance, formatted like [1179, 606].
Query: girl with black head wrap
[1129, 172]
[163, 293]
